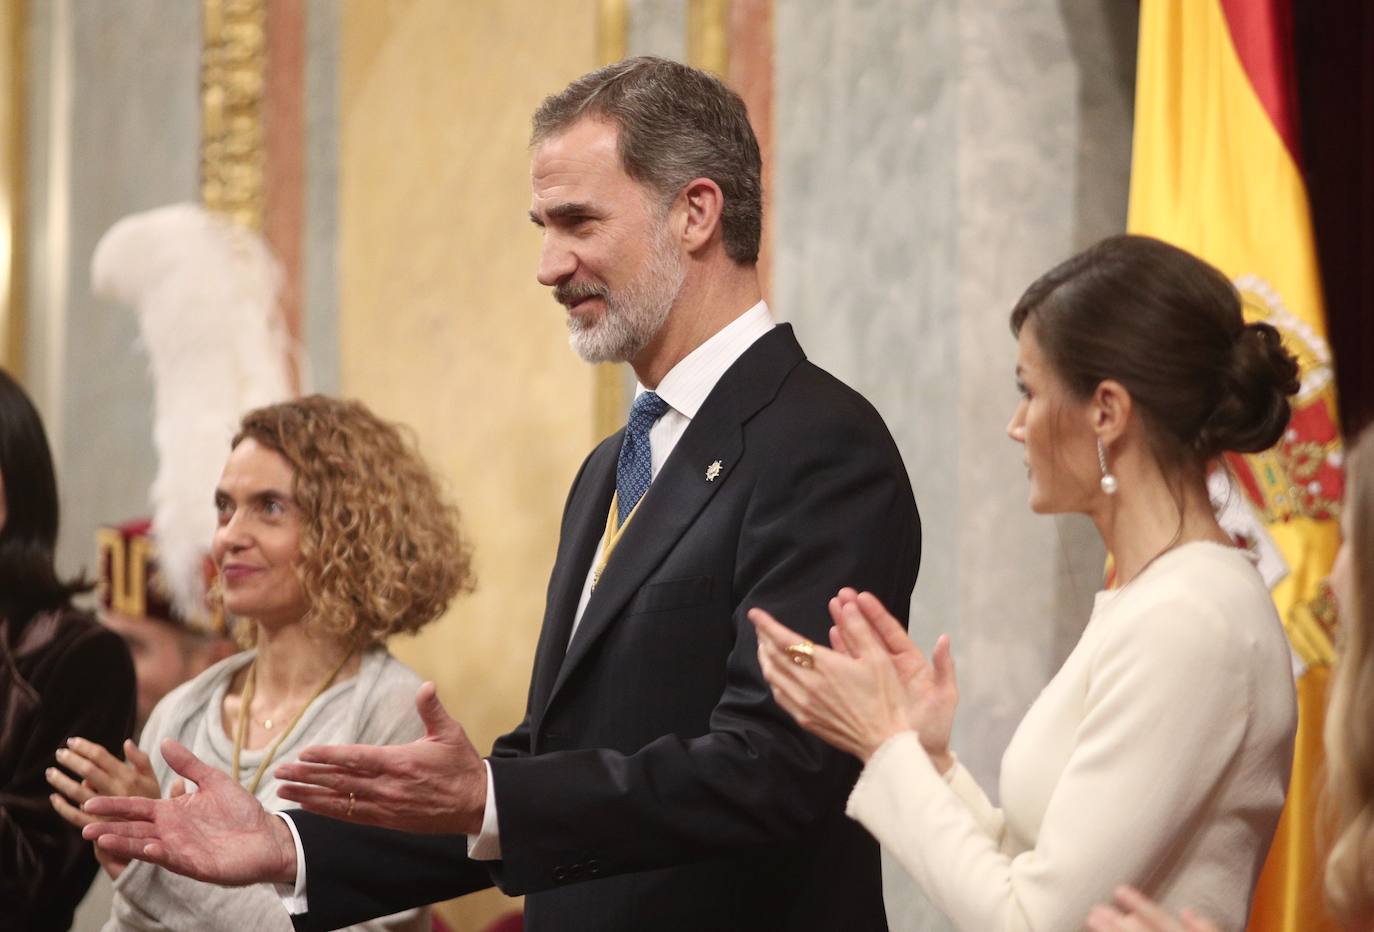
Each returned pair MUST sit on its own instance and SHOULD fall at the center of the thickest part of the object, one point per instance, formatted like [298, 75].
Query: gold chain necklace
[242, 729]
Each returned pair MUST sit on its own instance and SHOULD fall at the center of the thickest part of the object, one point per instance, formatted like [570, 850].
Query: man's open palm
[219, 833]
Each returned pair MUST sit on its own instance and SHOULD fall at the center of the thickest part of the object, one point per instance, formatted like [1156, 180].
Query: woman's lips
[236, 573]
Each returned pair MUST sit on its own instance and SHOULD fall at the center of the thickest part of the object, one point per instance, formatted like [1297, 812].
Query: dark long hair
[28, 579]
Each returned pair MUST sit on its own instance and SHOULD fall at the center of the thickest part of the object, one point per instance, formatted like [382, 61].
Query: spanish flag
[1216, 170]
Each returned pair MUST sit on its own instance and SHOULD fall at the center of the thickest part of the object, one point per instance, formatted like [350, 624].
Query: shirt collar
[687, 384]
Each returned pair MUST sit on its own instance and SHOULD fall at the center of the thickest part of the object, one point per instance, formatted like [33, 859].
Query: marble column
[934, 157]
[320, 247]
[114, 128]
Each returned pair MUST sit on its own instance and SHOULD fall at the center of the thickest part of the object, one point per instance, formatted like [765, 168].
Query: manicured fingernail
[61, 753]
[50, 771]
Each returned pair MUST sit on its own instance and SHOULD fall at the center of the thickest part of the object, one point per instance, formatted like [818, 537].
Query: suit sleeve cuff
[486, 846]
[293, 898]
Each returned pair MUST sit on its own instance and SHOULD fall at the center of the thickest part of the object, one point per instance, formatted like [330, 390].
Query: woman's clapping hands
[873, 682]
[101, 774]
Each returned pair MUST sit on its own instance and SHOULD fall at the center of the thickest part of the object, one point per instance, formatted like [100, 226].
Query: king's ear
[1109, 410]
[702, 203]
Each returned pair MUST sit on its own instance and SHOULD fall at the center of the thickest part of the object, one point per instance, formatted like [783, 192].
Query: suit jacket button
[593, 867]
[560, 874]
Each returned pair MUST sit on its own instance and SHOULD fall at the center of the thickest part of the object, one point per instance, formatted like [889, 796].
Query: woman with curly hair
[333, 535]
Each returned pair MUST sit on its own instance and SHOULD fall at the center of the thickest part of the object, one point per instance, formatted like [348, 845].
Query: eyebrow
[562, 211]
[256, 497]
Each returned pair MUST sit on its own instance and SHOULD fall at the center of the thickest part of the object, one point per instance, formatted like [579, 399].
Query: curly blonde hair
[1349, 797]
[381, 547]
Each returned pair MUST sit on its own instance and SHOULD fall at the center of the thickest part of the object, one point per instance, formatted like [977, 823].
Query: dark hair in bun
[1252, 406]
[1168, 327]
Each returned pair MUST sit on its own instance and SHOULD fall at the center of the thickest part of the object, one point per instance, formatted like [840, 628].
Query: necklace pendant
[267, 724]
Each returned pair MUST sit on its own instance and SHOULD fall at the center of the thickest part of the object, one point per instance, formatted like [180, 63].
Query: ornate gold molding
[12, 227]
[610, 391]
[612, 30]
[233, 75]
[708, 35]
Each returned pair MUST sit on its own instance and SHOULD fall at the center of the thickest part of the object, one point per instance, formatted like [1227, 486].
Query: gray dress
[375, 707]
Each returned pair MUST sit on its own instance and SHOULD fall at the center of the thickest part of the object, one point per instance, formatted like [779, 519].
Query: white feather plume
[205, 292]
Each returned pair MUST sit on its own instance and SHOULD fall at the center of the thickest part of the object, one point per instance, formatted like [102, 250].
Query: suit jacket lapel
[585, 520]
[682, 488]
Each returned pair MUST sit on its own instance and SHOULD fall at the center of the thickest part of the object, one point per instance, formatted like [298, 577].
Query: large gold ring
[351, 802]
[803, 654]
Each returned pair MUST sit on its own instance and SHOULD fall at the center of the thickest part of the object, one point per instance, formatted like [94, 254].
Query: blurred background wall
[926, 160]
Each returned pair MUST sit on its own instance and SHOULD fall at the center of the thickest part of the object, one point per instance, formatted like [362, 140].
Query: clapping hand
[435, 784]
[932, 690]
[852, 700]
[102, 774]
[1136, 912]
[219, 833]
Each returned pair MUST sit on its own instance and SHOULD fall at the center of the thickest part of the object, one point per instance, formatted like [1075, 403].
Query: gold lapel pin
[712, 471]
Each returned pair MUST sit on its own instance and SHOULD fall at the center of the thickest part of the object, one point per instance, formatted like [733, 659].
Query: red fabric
[1262, 32]
[1334, 48]
[510, 922]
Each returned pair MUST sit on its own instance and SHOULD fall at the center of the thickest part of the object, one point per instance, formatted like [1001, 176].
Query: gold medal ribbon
[611, 537]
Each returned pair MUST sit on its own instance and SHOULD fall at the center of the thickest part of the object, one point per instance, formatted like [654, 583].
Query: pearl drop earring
[1108, 483]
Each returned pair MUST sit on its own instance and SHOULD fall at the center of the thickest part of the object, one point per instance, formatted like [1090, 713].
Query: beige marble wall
[657, 27]
[441, 322]
[933, 157]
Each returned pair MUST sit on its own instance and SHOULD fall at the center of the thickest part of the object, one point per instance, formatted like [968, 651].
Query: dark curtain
[1334, 46]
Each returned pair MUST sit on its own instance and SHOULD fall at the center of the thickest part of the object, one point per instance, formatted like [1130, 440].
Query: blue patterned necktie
[634, 471]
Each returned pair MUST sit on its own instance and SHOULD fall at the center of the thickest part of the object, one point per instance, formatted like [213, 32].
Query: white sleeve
[486, 846]
[988, 816]
[293, 898]
[1168, 688]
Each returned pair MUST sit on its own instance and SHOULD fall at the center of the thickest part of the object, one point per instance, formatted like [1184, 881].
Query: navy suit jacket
[654, 783]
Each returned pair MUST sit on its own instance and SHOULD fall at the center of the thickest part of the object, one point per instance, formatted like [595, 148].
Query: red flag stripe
[1262, 32]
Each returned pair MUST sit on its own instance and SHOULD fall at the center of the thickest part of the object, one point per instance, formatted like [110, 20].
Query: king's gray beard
[634, 315]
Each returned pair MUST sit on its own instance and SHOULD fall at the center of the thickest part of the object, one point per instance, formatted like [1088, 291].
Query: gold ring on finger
[803, 654]
[351, 802]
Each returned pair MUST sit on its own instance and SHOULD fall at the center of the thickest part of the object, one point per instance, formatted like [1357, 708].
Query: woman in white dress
[333, 536]
[1159, 754]
[1349, 742]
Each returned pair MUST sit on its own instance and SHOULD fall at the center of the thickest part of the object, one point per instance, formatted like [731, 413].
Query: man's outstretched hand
[219, 833]
[437, 784]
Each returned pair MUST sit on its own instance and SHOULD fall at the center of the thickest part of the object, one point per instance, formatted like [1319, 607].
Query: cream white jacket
[1158, 756]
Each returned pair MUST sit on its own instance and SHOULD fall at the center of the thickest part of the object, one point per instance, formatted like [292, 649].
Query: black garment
[654, 783]
[61, 675]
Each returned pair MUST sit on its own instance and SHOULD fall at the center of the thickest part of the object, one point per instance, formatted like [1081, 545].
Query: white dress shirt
[684, 388]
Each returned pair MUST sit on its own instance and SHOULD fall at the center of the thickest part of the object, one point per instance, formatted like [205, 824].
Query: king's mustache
[570, 293]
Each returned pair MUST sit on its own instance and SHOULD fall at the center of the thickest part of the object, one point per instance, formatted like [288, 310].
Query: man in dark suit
[654, 783]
